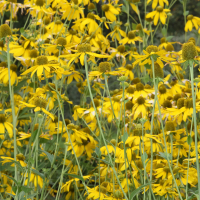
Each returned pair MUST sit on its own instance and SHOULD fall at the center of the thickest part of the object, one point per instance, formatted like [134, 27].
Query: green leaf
[186, 13]
[26, 128]
[21, 30]
[125, 137]
[31, 195]
[76, 176]
[98, 152]
[20, 85]
[189, 139]
[3, 58]
[11, 195]
[135, 192]
[26, 189]
[124, 9]
[145, 78]
[108, 163]
[33, 135]
[169, 38]
[196, 62]
[148, 66]
[154, 56]
[14, 188]
[26, 116]
[134, 26]
[50, 156]
[37, 173]
[144, 157]
[164, 155]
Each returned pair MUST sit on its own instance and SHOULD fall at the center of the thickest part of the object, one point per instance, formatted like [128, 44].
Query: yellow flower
[163, 93]
[72, 10]
[140, 107]
[141, 91]
[159, 13]
[36, 179]
[95, 194]
[88, 23]
[116, 33]
[39, 104]
[20, 159]
[56, 27]
[69, 187]
[82, 50]
[19, 50]
[4, 125]
[151, 50]
[131, 38]
[127, 71]
[72, 74]
[78, 111]
[155, 3]
[192, 21]
[72, 37]
[43, 34]
[42, 66]
[39, 8]
[110, 12]
[13, 75]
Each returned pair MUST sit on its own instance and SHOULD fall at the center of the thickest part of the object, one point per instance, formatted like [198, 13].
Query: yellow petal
[2, 128]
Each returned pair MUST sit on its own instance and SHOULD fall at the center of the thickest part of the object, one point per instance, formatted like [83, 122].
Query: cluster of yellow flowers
[137, 141]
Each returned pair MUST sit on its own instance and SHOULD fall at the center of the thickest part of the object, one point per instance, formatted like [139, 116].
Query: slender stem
[195, 125]
[184, 14]
[11, 13]
[11, 92]
[125, 156]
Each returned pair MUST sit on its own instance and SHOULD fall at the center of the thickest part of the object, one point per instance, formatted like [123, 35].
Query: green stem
[195, 124]
[184, 14]
[125, 156]
[11, 92]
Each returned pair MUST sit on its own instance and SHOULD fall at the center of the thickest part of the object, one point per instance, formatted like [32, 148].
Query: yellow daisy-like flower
[131, 38]
[39, 8]
[82, 50]
[88, 23]
[192, 21]
[155, 3]
[4, 125]
[43, 34]
[151, 50]
[4, 78]
[117, 33]
[39, 104]
[110, 12]
[127, 71]
[140, 107]
[56, 27]
[72, 10]
[36, 179]
[42, 65]
[20, 159]
[72, 37]
[157, 14]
